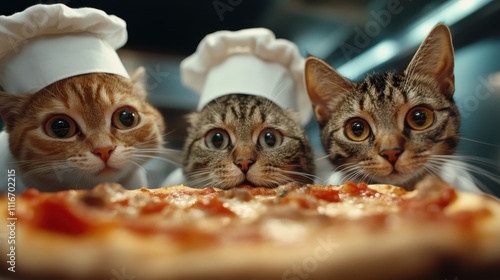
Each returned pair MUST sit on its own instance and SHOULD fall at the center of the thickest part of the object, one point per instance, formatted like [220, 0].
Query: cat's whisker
[239, 115]
[206, 182]
[321, 158]
[364, 178]
[49, 168]
[169, 154]
[347, 175]
[36, 172]
[47, 162]
[472, 170]
[43, 165]
[479, 142]
[468, 158]
[203, 178]
[145, 157]
[301, 174]
[432, 168]
[346, 168]
[155, 141]
[358, 176]
[164, 135]
[277, 179]
[199, 172]
[139, 166]
[161, 150]
[275, 182]
[81, 177]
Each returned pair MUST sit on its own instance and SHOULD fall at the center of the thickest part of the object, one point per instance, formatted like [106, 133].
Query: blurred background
[355, 37]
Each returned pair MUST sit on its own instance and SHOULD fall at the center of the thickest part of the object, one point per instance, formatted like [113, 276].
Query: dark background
[176, 27]
[162, 33]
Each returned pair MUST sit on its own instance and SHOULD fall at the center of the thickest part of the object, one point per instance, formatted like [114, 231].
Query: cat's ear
[325, 87]
[434, 58]
[192, 118]
[139, 81]
[11, 107]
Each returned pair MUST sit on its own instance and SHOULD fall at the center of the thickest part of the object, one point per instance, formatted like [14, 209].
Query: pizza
[353, 231]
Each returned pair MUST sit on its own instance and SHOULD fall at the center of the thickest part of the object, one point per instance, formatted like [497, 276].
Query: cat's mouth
[106, 171]
[397, 177]
[246, 183]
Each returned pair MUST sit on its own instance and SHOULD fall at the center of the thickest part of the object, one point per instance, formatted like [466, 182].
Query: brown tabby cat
[389, 128]
[240, 139]
[80, 131]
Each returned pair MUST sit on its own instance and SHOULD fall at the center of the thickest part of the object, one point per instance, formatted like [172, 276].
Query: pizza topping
[259, 191]
[93, 200]
[356, 190]
[55, 214]
[301, 199]
[241, 194]
[213, 205]
[154, 207]
[270, 212]
[326, 194]
[31, 193]
[197, 192]
[433, 194]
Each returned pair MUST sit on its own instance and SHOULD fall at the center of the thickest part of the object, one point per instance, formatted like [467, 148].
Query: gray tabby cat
[391, 127]
[244, 139]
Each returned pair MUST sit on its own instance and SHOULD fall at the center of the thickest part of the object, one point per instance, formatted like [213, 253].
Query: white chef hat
[248, 61]
[47, 43]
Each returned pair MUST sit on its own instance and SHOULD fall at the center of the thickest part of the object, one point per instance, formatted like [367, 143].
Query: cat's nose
[391, 155]
[103, 153]
[244, 164]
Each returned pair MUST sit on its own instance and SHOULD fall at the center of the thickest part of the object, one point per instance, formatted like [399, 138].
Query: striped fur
[90, 100]
[384, 100]
[244, 117]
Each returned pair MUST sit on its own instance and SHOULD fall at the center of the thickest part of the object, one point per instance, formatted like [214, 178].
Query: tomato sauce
[212, 205]
[326, 194]
[361, 189]
[30, 193]
[55, 214]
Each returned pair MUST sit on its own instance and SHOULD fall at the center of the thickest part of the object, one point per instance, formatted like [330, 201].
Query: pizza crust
[299, 250]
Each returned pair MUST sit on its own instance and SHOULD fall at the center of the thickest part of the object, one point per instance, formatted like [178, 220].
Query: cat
[244, 139]
[392, 128]
[80, 131]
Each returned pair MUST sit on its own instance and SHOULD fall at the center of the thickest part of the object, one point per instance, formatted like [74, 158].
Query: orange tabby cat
[80, 131]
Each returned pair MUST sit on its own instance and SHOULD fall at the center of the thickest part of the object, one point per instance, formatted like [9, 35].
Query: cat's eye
[270, 138]
[217, 139]
[125, 118]
[357, 129]
[60, 126]
[419, 118]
